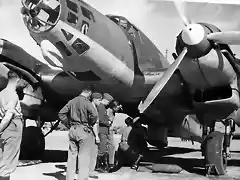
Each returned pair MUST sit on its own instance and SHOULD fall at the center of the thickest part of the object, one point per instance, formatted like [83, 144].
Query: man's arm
[94, 120]
[95, 131]
[110, 117]
[9, 112]
[63, 115]
[92, 114]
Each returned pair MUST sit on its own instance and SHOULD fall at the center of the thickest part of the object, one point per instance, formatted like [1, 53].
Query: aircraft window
[73, 6]
[72, 18]
[41, 15]
[88, 14]
[79, 46]
[63, 48]
[123, 24]
[84, 27]
[116, 20]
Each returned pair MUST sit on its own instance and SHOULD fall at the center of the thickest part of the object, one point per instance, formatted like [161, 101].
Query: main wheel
[33, 144]
[214, 153]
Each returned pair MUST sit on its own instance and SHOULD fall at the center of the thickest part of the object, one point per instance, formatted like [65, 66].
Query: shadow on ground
[189, 164]
[55, 156]
[59, 174]
[50, 156]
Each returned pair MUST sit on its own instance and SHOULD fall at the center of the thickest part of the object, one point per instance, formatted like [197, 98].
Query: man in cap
[132, 144]
[104, 124]
[96, 100]
[80, 116]
[11, 126]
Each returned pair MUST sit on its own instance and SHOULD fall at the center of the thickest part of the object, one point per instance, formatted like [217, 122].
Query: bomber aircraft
[85, 47]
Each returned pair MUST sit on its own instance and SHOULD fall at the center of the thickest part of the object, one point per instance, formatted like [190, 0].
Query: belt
[86, 128]
[78, 124]
[103, 125]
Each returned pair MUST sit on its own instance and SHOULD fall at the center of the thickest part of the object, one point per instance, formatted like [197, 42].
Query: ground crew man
[132, 145]
[114, 107]
[104, 124]
[80, 116]
[11, 126]
[96, 100]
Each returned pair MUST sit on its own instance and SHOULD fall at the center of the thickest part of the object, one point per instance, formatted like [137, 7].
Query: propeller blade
[162, 82]
[230, 37]
[180, 6]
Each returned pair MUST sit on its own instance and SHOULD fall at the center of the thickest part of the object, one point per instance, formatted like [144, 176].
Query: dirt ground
[181, 153]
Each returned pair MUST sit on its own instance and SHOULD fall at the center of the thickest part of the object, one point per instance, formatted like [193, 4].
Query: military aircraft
[85, 47]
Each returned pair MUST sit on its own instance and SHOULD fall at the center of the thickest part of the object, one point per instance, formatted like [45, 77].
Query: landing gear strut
[215, 148]
[33, 144]
[33, 141]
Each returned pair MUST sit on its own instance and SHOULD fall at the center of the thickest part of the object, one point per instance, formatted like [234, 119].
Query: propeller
[230, 37]
[181, 9]
[162, 82]
[180, 6]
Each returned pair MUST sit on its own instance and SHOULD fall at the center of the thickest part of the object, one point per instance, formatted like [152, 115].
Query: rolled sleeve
[10, 107]
[63, 114]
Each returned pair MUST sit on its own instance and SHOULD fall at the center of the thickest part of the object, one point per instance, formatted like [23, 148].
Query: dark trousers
[103, 145]
[126, 154]
[81, 148]
[10, 141]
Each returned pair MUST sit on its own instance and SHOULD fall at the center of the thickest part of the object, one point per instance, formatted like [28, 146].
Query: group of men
[89, 118]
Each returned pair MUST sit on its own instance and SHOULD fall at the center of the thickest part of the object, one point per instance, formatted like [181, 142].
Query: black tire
[33, 144]
[214, 152]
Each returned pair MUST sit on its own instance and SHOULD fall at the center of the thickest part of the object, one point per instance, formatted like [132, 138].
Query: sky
[158, 19]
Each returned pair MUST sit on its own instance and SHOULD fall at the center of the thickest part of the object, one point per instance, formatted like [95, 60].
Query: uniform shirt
[9, 101]
[103, 119]
[78, 111]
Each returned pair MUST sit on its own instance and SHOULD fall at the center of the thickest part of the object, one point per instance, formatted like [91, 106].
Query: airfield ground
[182, 153]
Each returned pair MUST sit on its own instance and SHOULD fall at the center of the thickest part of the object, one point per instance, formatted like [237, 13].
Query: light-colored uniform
[111, 146]
[80, 115]
[10, 138]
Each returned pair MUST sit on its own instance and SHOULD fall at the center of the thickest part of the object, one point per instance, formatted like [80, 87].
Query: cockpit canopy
[121, 21]
[40, 15]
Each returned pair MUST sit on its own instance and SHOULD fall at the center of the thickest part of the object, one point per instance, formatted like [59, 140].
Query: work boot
[98, 163]
[111, 168]
[4, 177]
[103, 163]
[135, 165]
[93, 175]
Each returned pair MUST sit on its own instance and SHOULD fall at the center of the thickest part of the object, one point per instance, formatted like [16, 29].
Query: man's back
[79, 111]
